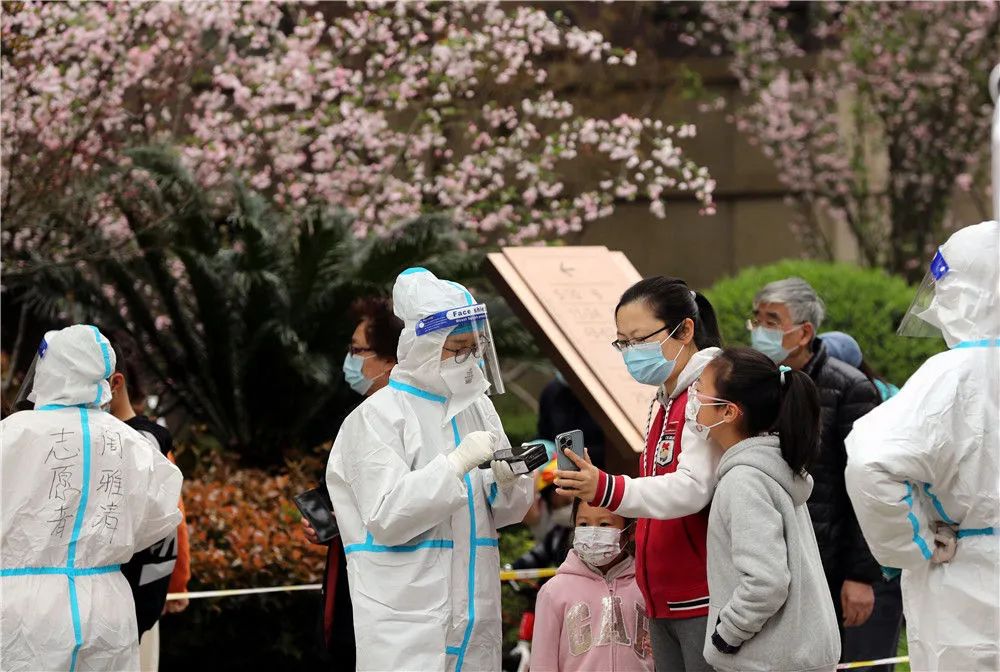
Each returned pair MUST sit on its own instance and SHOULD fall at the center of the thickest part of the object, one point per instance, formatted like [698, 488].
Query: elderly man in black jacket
[787, 316]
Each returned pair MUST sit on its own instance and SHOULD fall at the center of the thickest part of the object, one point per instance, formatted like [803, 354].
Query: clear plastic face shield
[915, 323]
[468, 338]
[21, 402]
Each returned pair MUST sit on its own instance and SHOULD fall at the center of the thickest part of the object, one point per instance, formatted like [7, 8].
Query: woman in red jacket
[667, 334]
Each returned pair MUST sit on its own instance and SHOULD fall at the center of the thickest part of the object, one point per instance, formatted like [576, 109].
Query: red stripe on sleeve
[617, 492]
[602, 486]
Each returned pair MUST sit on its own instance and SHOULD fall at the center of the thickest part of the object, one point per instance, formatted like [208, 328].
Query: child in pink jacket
[591, 615]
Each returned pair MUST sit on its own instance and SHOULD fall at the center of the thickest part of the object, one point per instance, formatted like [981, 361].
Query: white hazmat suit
[421, 541]
[930, 456]
[81, 493]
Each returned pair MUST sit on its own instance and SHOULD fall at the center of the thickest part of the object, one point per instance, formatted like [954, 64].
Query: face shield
[468, 339]
[917, 323]
[22, 402]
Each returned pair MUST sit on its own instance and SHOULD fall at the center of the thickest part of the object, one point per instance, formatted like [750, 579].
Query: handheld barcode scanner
[522, 459]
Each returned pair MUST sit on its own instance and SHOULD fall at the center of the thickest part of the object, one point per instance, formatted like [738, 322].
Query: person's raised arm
[681, 493]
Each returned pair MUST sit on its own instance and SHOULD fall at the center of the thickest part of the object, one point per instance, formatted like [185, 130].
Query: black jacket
[148, 571]
[845, 395]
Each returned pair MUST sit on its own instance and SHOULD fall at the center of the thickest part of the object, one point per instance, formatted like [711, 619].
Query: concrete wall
[751, 226]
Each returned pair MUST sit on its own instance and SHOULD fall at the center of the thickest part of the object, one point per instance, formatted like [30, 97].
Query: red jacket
[671, 560]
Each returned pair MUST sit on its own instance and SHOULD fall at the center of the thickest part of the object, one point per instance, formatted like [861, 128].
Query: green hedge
[868, 304]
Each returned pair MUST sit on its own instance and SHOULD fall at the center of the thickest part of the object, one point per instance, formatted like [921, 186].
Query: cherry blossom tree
[874, 113]
[385, 110]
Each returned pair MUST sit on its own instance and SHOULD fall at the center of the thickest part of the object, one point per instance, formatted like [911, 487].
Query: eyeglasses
[696, 390]
[623, 343]
[462, 354]
[770, 323]
[356, 350]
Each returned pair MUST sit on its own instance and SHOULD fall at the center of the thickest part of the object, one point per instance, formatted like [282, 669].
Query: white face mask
[463, 379]
[597, 546]
[691, 412]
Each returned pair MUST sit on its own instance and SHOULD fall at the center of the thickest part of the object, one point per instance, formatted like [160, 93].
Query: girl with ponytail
[667, 334]
[770, 606]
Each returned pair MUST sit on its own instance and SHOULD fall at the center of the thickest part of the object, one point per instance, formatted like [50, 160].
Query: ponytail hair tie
[782, 370]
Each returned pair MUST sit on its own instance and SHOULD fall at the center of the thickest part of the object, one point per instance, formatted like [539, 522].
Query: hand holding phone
[316, 507]
[573, 440]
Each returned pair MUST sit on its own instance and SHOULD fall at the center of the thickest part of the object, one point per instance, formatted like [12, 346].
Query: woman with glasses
[667, 335]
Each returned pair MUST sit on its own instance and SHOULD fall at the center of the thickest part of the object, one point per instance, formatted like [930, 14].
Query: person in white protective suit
[923, 468]
[82, 491]
[417, 515]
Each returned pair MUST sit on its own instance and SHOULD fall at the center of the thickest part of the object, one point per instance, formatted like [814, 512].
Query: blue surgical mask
[769, 342]
[646, 363]
[353, 375]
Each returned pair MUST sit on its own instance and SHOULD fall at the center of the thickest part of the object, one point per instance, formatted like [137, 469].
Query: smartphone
[572, 440]
[316, 507]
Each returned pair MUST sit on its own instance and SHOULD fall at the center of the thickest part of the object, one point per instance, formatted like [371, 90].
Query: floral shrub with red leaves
[245, 529]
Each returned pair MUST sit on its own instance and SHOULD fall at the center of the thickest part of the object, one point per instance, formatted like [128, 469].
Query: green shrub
[866, 303]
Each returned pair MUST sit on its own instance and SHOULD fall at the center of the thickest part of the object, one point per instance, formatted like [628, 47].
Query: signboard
[567, 297]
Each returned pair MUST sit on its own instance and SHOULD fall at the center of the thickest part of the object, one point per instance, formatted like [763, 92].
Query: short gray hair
[803, 303]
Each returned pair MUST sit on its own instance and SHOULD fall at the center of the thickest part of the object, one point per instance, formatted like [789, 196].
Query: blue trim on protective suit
[493, 494]
[487, 541]
[417, 392]
[369, 546]
[915, 524]
[414, 269]
[59, 571]
[982, 343]
[977, 532]
[85, 489]
[81, 511]
[937, 505]
[59, 407]
[107, 363]
[467, 636]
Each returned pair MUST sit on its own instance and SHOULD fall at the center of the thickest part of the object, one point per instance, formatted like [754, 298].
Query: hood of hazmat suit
[958, 298]
[81, 493]
[930, 457]
[421, 542]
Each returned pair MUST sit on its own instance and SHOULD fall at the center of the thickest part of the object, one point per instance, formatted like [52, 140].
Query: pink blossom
[330, 110]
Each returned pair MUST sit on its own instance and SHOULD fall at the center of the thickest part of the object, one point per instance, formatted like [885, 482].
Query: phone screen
[316, 507]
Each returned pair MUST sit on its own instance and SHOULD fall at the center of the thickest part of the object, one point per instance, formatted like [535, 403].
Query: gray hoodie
[767, 589]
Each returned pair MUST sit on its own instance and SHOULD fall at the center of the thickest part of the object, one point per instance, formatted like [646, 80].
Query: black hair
[127, 364]
[791, 409]
[672, 302]
[382, 327]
